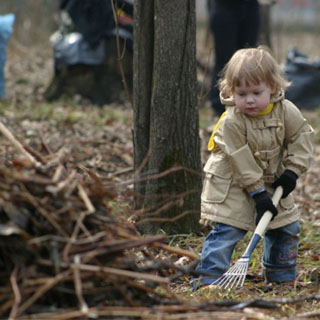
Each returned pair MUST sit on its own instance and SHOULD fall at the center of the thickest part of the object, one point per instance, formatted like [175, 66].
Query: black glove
[288, 181]
[264, 203]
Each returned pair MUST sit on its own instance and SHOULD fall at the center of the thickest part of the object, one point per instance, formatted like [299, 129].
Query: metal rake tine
[229, 281]
[225, 278]
[242, 277]
[225, 282]
[230, 275]
[245, 275]
[234, 276]
[221, 280]
[237, 275]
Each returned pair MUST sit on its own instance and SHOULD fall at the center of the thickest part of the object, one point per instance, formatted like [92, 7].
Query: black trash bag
[72, 49]
[304, 74]
[85, 25]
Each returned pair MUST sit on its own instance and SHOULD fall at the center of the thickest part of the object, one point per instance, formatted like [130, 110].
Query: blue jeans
[279, 258]
[280, 253]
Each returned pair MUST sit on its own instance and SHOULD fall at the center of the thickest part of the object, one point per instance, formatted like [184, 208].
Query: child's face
[252, 99]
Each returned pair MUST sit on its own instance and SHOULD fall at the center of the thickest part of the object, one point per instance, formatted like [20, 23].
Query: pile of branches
[65, 252]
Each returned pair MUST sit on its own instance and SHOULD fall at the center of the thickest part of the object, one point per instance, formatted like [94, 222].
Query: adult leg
[249, 24]
[224, 30]
[280, 253]
[216, 253]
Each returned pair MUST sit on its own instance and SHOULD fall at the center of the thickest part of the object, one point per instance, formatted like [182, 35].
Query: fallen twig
[18, 145]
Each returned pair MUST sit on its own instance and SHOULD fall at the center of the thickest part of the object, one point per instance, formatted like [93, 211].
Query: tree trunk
[166, 129]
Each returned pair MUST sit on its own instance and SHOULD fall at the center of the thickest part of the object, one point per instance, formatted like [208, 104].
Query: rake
[236, 275]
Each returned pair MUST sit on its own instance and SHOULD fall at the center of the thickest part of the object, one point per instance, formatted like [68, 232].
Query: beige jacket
[251, 152]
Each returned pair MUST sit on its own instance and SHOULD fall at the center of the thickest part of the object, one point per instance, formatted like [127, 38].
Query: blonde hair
[253, 65]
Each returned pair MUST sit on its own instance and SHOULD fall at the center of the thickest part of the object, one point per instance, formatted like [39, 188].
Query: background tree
[166, 126]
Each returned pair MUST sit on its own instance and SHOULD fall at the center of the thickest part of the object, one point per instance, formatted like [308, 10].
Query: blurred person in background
[6, 28]
[234, 25]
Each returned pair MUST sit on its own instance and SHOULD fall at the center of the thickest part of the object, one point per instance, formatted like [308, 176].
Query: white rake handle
[267, 216]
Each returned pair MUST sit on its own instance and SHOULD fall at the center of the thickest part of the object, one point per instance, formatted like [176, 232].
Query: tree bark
[166, 129]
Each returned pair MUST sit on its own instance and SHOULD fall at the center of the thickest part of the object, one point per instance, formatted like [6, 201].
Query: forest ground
[100, 138]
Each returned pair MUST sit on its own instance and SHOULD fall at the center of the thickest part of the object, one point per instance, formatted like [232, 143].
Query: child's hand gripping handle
[267, 216]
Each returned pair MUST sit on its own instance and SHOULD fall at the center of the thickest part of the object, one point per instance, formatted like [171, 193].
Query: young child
[262, 141]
